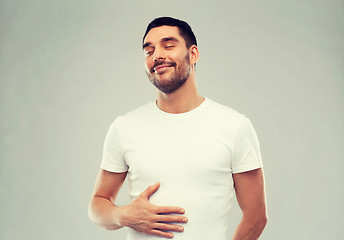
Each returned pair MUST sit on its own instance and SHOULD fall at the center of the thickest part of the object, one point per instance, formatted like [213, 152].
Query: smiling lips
[161, 68]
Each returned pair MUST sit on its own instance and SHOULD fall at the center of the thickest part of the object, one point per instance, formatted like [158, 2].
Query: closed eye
[149, 51]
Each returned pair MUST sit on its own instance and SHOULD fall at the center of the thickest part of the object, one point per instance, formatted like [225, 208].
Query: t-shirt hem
[111, 169]
[247, 168]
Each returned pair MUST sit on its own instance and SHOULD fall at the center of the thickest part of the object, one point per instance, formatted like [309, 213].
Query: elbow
[260, 223]
[256, 222]
[93, 213]
[100, 216]
[90, 211]
[263, 221]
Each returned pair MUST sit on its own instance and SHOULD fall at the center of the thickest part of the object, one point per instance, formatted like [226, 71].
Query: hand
[146, 218]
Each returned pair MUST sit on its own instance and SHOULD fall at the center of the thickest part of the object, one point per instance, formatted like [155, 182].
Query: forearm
[105, 213]
[250, 228]
[139, 215]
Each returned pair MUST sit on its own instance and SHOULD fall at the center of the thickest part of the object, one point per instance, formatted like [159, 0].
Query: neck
[182, 100]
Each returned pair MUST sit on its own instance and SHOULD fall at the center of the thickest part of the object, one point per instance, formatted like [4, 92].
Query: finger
[161, 233]
[168, 227]
[171, 218]
[150, 190]
[169, 209]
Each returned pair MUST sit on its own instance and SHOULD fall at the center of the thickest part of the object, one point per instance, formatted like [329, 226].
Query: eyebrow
[167, 39]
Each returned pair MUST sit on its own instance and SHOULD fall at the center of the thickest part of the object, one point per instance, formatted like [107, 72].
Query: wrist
[122, 216]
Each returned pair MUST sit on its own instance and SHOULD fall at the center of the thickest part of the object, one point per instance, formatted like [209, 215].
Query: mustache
[158, 63]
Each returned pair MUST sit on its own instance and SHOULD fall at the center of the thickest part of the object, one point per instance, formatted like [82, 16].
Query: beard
[177, 78]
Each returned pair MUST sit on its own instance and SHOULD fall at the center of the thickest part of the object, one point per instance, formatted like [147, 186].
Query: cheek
[178, 57]
[148, 65]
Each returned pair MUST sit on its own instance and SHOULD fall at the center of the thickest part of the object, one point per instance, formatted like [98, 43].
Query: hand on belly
[147, 218]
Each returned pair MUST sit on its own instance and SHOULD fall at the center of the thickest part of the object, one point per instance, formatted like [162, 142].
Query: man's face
[167, 60]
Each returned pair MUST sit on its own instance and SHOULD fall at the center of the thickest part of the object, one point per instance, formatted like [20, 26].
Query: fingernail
[185, 219]
[180, 229]
[170, 235]
[182, 211]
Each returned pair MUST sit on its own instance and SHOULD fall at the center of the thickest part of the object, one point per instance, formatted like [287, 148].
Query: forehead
[158, 33]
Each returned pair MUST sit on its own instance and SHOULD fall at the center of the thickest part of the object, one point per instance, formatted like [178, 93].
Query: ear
[194, 54]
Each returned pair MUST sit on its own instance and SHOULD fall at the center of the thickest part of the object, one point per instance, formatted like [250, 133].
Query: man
[183, 154]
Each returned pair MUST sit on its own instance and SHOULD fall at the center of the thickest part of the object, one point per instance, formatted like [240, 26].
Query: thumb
[150, 190]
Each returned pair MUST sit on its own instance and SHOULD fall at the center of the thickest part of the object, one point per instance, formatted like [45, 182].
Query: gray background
[69, 68]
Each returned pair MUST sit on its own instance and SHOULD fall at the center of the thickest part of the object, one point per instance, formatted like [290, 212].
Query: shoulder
[224, 113]
[137, 115]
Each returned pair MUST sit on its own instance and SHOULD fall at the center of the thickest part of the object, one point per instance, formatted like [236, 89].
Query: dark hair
[184, 29]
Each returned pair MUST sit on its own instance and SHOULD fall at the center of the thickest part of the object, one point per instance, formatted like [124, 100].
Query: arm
[101, 209]
[139, 215]
[249, 188]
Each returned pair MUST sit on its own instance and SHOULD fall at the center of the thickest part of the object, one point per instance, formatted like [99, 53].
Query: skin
[167, 76]
[250, 193]
[178, 62]
[139, 215]
[186, 97]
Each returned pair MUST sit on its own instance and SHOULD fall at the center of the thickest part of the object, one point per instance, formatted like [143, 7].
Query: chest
[177, 151]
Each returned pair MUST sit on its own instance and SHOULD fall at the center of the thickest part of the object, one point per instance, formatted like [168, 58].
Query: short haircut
[184, 29]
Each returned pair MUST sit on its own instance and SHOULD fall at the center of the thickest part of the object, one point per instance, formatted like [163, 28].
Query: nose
[158, 55]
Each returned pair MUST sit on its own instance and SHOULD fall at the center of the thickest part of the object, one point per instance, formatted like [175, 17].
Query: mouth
[162, 68]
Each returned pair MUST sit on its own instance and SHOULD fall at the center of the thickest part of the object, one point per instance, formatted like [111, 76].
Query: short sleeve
[113, 159]
[246, 150]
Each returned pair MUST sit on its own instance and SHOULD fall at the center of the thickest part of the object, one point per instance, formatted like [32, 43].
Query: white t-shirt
[193, 155]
